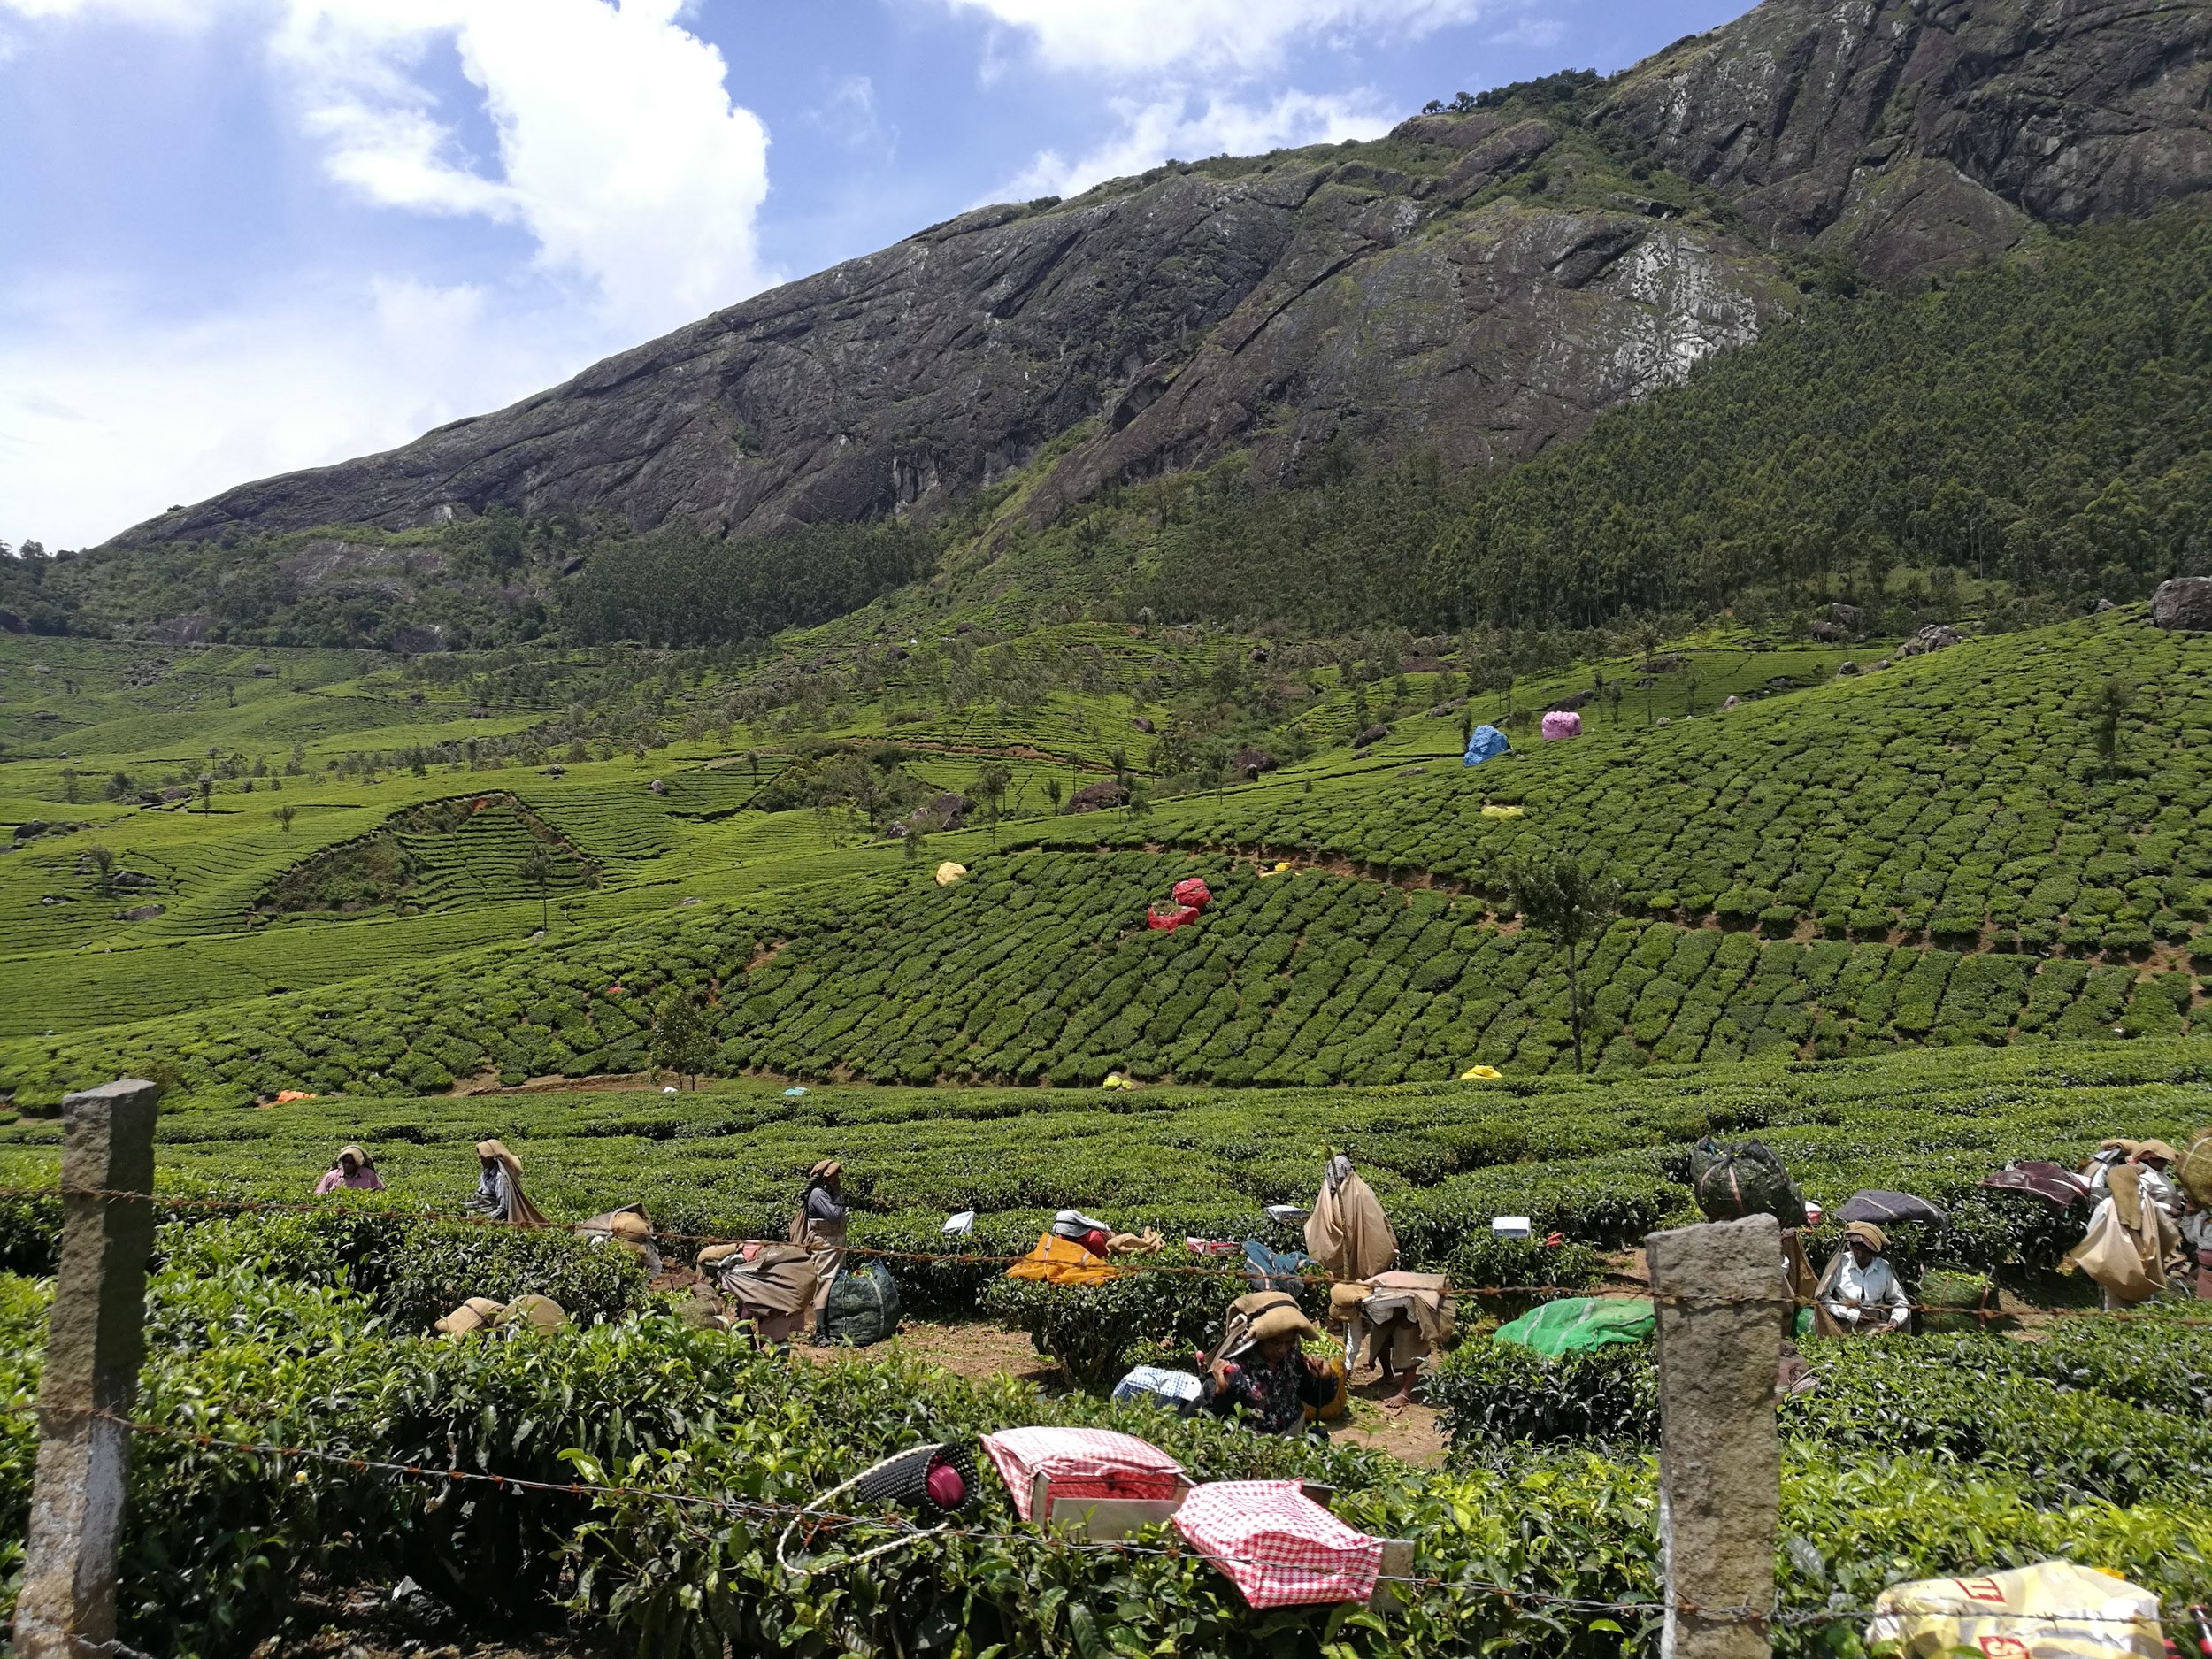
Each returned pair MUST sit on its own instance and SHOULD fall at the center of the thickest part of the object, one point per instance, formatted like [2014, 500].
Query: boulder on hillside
[948, 811]
[1142, 725]
[1250, 762]
[141, 913]
[1844, 616]
[1372, 734]
[1573, 704]
[2183, 603]
[1937, 636]
[2103, 605]
[1830, 633]
[1097, 797]
[658, 786]
[130, 879]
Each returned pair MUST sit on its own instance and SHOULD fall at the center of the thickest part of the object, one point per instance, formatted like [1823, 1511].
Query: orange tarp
[1059, 1260]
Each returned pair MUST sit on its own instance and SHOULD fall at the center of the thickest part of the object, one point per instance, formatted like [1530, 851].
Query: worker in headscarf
[2154, 1158]
[819, 1228]
[1859, 1295]
[1261, 1372]
[499, 1193]
[1347, 1232]
[354, 1169]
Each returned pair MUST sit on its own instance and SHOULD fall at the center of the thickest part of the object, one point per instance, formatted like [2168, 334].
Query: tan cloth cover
[2131, 1264]
[2124, 1183]
[540, 1313]
[1421, 1329]
[2194, 1168]
[780, 1279]
[472, 1315]
[1347, 1232]
[1146, 1243]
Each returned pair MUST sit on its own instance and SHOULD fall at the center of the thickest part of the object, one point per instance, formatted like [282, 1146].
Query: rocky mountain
[1478, 282]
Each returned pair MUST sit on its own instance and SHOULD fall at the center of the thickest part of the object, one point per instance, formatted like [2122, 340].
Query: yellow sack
[950, 873]
[1479, 1073]
[2052, 1610]
[1334, 1406]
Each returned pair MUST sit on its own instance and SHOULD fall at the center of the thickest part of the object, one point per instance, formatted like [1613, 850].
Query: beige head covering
[822, 1171]
[1868, 1235]
[497, 1151]
[526, 1214]
[1281, 1322]
[359, 1156]
[2155, 1150]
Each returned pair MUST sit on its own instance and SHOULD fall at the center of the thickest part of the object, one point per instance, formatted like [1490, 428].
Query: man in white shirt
[1860, 1291]
[2156, 1158]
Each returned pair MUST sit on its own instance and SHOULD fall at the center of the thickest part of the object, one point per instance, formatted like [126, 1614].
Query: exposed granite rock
[1919, 134]
[2183, 603]
[1424, 292]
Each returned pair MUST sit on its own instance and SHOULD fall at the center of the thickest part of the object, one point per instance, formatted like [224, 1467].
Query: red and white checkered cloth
[1082, 1463]
[1278, 1546]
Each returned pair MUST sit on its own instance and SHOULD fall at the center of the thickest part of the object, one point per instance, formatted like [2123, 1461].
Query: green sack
[1576, 1323]
[862, 1306]
[1733, 1182]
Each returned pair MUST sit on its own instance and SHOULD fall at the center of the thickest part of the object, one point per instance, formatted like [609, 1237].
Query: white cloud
[617, 151]
[1129, 37]
[107, 416]
[1180, 127]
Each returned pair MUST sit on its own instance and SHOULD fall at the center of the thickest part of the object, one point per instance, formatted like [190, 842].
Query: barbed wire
[1045, 1537]
[1108, 1268]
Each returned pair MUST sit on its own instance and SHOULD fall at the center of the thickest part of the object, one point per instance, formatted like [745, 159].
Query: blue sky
[250, 235]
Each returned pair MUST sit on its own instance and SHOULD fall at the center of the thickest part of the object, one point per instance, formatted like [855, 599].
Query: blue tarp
[1485, 744]
[1274, 1270]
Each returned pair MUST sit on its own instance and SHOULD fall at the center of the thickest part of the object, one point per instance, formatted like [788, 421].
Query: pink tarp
[1082, 1463]
[1561, 723]
[1278, 1546]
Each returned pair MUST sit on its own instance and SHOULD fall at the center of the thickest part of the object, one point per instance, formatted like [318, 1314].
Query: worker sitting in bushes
[499, 1196]
[354, 1169]
[1859, 1296]
[1261, 1371]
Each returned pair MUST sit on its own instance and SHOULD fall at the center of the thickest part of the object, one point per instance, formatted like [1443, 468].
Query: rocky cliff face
[1479, 284]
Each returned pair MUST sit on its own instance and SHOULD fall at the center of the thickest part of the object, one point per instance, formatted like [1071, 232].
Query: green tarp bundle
[1576, 1323]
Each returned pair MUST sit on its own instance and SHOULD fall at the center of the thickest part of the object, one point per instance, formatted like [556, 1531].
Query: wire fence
[1106, 1268]
[904, 1528]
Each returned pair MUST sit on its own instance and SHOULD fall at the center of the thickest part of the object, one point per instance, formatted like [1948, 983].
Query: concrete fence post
[1719, 1289]
[93, 1343]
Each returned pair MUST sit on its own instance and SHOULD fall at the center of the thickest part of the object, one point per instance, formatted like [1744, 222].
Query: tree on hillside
[1559, 898]
[284, 815]
[103, 859]
[207, 790]
[681, 1043]
[992, 779]
[2109, 705]
[537, 869]
[1054, 790]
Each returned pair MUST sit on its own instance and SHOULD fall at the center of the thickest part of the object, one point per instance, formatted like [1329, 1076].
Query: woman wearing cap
[499, 1193]
[819, 1228]
[354, 1169]
[1859, 1293]
[1260, 1371]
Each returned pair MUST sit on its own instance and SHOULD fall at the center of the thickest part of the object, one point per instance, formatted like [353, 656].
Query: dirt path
[980, 1352]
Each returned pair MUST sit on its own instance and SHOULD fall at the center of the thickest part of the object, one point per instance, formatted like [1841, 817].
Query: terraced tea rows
[1038, 967]
[1960, 795]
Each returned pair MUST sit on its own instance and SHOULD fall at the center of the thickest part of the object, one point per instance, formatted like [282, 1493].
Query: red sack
[1193, 893]
[1166, 921]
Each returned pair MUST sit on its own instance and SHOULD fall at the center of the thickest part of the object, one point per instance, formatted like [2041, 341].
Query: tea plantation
[1903, 925]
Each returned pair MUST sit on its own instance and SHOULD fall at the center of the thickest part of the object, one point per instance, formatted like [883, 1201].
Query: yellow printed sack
[2052, 1610]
